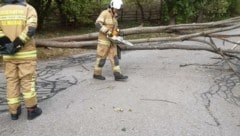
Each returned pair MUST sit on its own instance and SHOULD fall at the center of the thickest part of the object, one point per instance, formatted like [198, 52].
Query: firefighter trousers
[20, 77]
[104, 51]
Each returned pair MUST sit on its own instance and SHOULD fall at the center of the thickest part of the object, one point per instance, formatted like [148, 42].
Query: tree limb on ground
[201, 34]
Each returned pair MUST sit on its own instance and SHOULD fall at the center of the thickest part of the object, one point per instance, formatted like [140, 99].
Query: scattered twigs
[220, 52]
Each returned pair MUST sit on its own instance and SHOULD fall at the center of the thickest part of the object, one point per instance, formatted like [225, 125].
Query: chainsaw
[119, 39]
[116, 37]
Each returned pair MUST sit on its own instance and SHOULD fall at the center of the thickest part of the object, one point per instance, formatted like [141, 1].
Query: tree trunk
[141, 10]
[200, 33]
[186, 32]
[63, 16]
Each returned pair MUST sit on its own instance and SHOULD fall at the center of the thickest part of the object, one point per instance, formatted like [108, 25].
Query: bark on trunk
[200, 33]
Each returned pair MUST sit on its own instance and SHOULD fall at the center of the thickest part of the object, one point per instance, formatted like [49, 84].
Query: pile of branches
[202, 36]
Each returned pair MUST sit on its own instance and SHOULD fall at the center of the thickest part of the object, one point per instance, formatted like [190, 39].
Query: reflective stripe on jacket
[19, 20]
[109, 21]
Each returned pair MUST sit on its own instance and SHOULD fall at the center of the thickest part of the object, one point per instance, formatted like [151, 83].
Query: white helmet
[116, 4]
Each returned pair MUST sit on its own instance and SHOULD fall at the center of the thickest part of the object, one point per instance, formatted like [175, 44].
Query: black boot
[33, 112]
[119, 77]
[15, 116]
[100, 77]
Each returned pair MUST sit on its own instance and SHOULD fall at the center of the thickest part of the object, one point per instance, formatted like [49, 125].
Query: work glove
[8, 49]
[120, 33]
[109, 34]
[12, 47]
[116, 32]
[18, 43]
[2, 48]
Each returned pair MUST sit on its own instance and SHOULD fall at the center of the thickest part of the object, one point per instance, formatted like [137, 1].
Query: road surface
[168, 93]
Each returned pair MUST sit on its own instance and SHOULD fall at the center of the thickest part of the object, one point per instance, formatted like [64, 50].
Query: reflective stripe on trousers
[20, 77]
[21, 55]
[104, 51]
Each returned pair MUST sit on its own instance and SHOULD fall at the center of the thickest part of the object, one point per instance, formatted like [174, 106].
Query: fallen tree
[202, 36]
[181, 32]
[158, 29]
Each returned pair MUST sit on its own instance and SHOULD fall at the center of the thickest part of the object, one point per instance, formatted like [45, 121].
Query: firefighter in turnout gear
[108, 26]
[18, 22]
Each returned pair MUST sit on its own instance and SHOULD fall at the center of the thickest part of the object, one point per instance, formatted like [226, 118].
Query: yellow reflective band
[104, 29]
[116, 68]
[109, 21]
[32, 20]
[11, 101]
[21, 55]
[97, 64]
[24, 37]
[27, 52]
[2, 34]
[100, 19]
[12, 22]
[98, 68]
[13, 17]
[104, 42]
[33, 83]
[28, 95]
[32, 92]
[11, 12]
[98, 60]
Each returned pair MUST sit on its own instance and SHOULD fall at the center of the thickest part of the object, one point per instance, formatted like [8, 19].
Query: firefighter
[107, 25]
[18, 22]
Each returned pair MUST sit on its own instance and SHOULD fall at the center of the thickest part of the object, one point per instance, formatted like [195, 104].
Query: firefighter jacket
[108, 22]
[19, 21]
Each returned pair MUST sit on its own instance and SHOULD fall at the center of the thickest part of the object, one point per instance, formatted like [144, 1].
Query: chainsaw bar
[119, 39]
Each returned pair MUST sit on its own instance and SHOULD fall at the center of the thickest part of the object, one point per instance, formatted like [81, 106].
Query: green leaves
[84, 12]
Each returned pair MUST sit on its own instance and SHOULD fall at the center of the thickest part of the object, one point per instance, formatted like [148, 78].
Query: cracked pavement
[163, 97]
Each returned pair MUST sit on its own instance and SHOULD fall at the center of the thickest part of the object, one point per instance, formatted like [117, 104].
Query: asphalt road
[168, 93]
